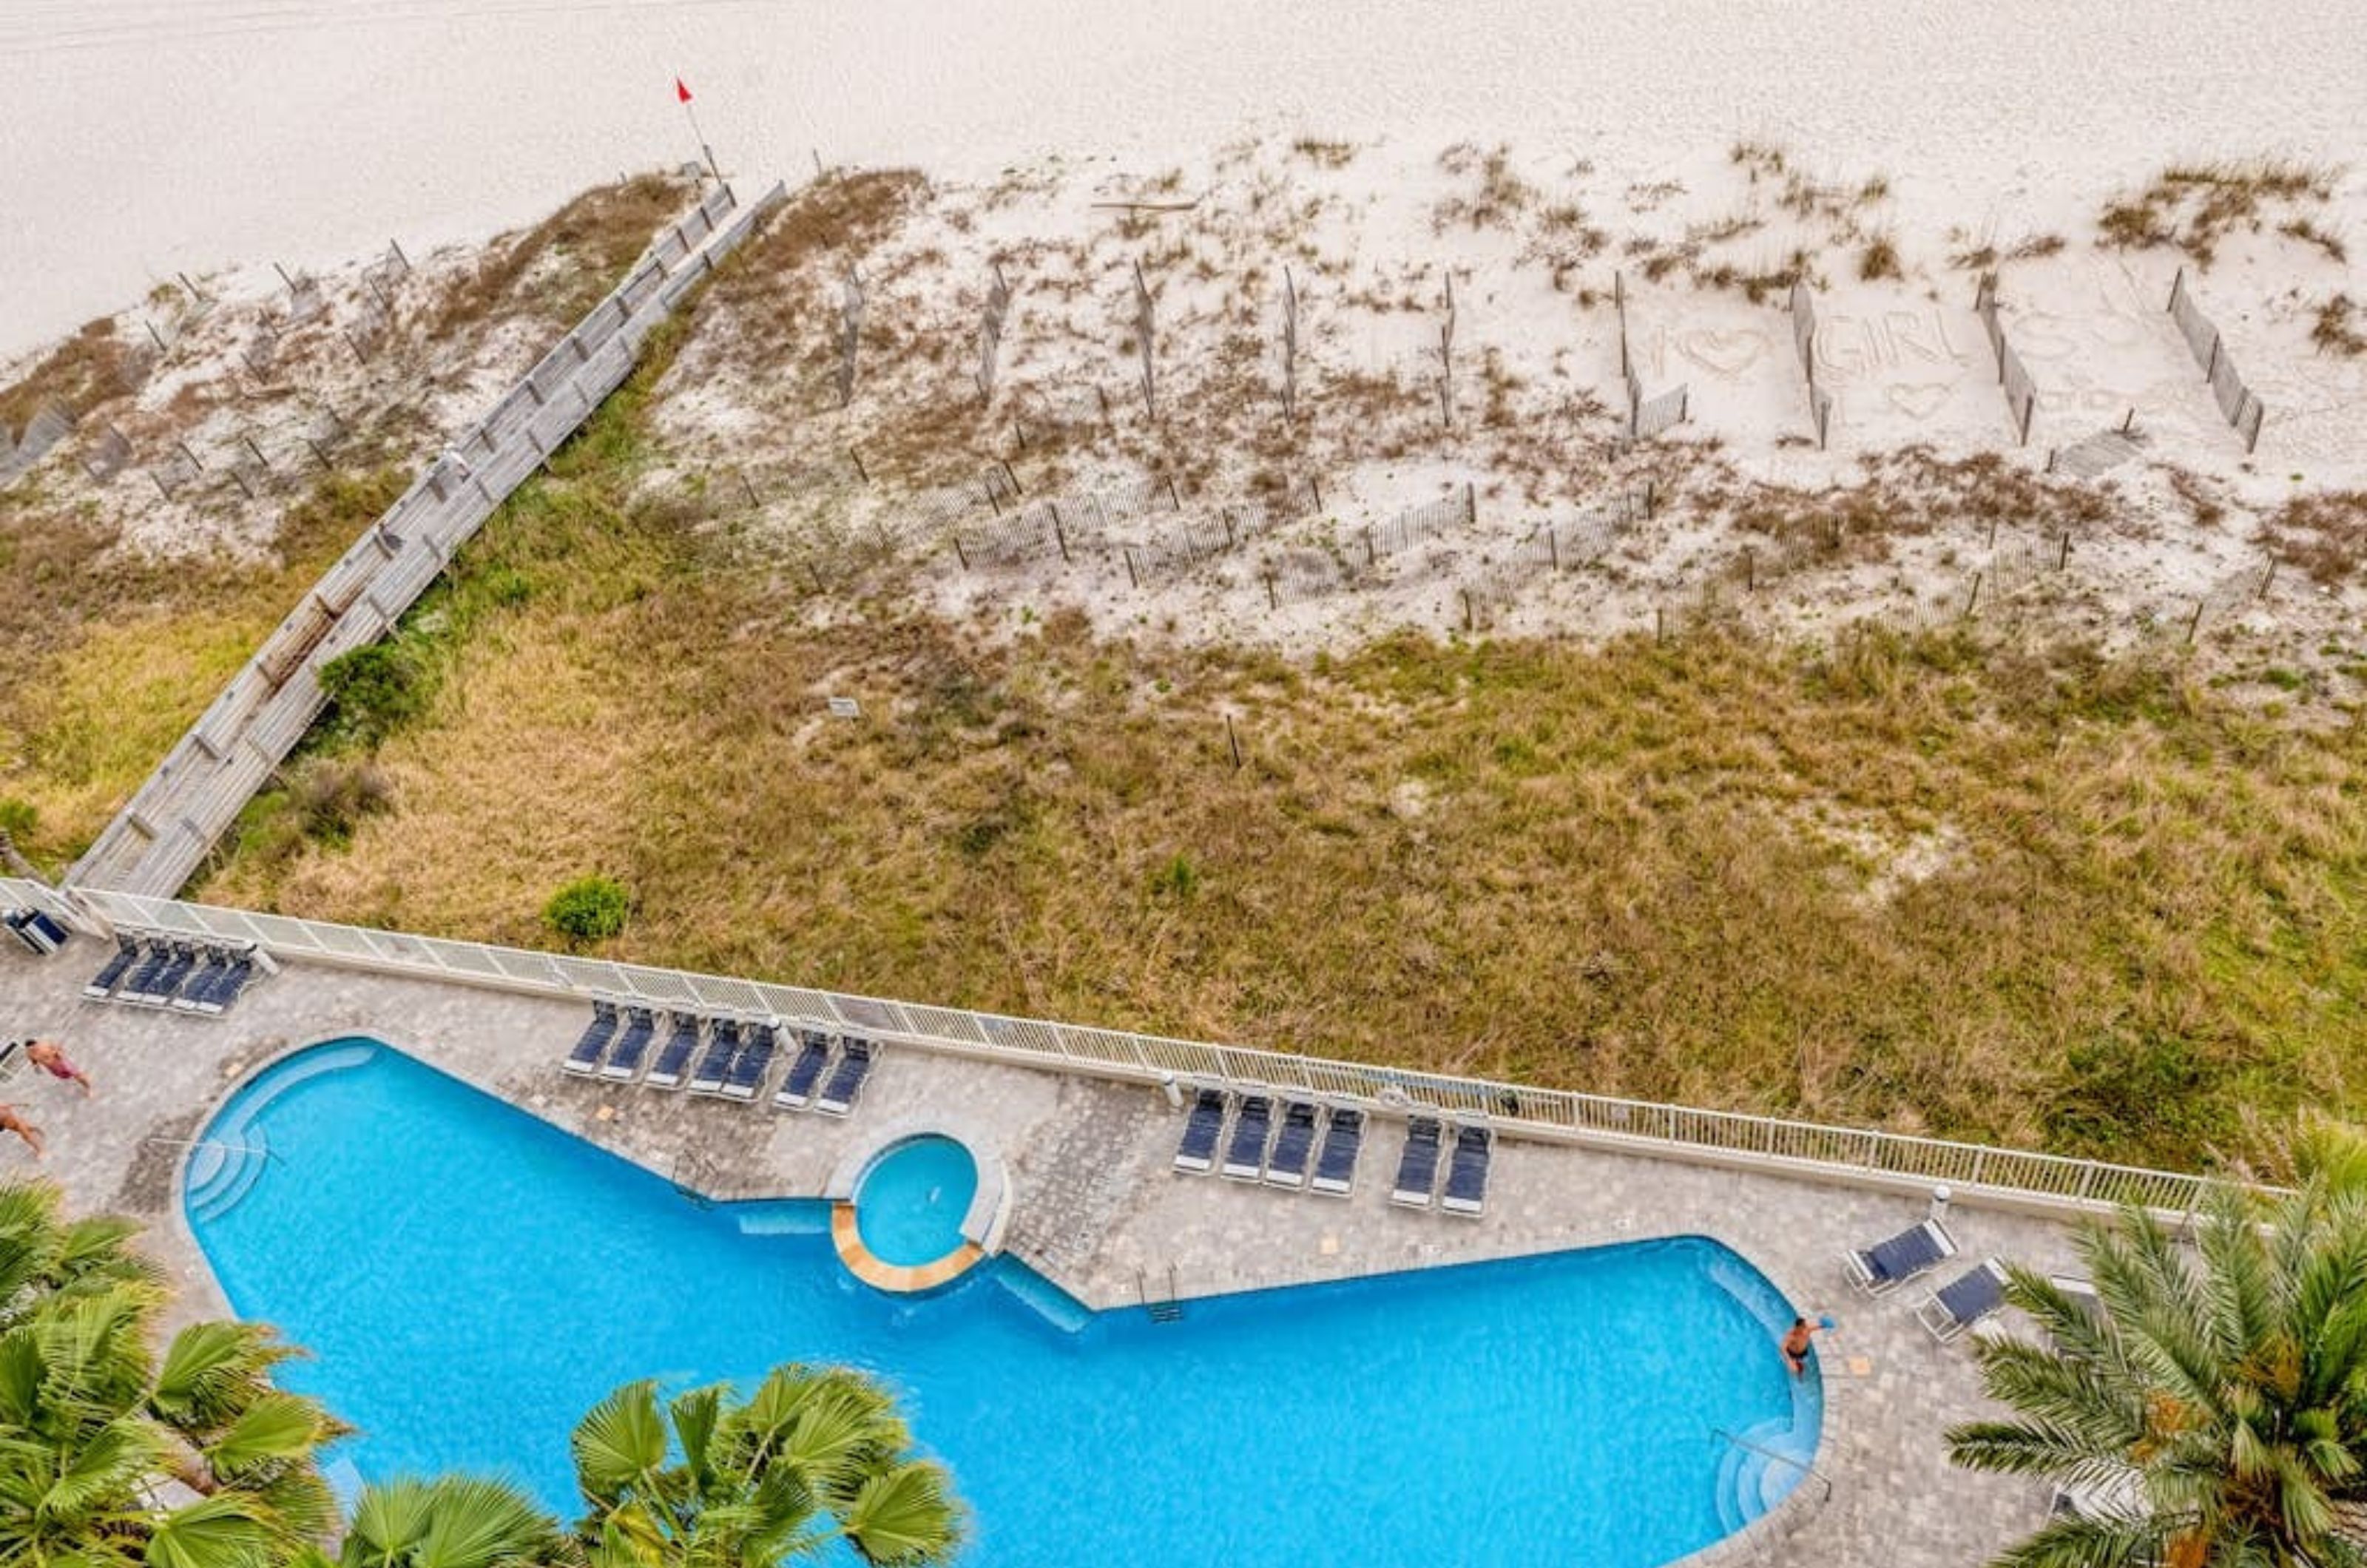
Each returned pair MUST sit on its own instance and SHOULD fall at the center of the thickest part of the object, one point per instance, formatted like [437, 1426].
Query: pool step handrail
[1168, 1308]
[1779, 1457]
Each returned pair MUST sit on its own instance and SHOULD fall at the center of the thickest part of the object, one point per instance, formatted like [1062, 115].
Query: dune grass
[107, 656]
[1930, 886]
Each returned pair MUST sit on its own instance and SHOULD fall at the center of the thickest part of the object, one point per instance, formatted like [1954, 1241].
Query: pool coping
[1795, 1277]
[987, 1220]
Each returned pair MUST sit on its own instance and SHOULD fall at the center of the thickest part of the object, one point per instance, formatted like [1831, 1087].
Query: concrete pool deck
[1094, 1204]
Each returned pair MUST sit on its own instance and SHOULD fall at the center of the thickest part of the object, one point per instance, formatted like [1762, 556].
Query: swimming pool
[470, 1280]
[910, 1203]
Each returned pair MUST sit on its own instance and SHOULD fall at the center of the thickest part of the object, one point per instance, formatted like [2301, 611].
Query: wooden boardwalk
[159, 840]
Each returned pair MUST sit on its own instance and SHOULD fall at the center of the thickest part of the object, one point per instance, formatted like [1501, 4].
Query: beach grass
[2029, 894]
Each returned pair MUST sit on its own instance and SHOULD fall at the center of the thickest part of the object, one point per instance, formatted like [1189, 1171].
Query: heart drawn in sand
[1917, 399]
[1725, 354]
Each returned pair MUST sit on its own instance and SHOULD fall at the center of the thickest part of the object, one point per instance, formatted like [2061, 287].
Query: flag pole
[681, 92]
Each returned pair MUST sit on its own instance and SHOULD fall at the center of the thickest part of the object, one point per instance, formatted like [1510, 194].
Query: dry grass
[78, 374]
[1701, 872]
[1498, 195]
[106, 657]
[772, 290]
[2326, 536]
[2335, 330]
[2195, 206]
[560, 267]
[1879, 259]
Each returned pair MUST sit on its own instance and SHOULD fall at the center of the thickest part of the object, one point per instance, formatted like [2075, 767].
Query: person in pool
[1796, 1346]
[51, 1057]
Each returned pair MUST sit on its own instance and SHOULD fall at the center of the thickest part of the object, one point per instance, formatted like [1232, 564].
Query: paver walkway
[1093, 1204]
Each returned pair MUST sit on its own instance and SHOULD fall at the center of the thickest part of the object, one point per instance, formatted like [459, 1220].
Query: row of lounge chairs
[1972, 1297]
[1465, 1191]
[731, 1058]
[202, 977]
[1294, 1155]
[1312, 1148]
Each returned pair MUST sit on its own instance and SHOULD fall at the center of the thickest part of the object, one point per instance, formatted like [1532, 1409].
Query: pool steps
[225, 1166]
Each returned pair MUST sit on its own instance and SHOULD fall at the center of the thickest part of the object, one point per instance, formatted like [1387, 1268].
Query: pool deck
[1093, 1202]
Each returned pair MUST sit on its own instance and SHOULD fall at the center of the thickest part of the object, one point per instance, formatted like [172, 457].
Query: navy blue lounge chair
[674, 1057]
[715, 1062]
[233, 980]
[141, 987]
[1245, 1155]
[102, 984]
[1956, 1306]
[813, 1054]
[1466, 1172]
[624, 1062]
[1203, 1130]
[746, 1077]
[1335, 1163]
[846, 1080]
[1418, 1166]
[198, 983]
[1294, 1146]
[1886, 1265]
[593, 1044]
[183, 965]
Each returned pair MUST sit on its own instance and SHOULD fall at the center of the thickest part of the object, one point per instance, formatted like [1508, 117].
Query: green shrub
[589, 908]
[376, 690]
[17, 817]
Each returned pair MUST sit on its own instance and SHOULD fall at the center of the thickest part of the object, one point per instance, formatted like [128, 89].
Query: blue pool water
[470, 1280]
[909, 1206]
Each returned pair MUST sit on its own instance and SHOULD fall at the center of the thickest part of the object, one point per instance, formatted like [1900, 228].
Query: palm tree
[109, 1455]
[812, 1454]
[745, 1486]
[2209, 1410]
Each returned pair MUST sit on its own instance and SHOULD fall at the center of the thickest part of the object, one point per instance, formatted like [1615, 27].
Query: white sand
[143, 137]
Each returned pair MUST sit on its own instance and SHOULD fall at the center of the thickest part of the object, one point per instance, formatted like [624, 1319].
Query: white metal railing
[2054, 1180]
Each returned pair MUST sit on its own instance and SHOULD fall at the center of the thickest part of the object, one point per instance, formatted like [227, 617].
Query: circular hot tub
[910, 1220]
[910, 1205]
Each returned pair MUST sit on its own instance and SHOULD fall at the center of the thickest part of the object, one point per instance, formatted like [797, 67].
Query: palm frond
[275, 1429]
[905, 1518]
[619, 1442]
[213, 1532]
[474, 1522]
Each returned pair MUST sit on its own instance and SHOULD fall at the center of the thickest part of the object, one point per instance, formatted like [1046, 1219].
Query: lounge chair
[745, 1076]
[624, 1062]
[198, 983]
[846, 1080]
[1286, 1166]
[1965, 1301]
[593, 1044]
[167, 984]
[1418, 1166]
[1886, 1265]
[715, 1062]
[1204, 1128]
[1335, 1163]
[1245, 1156]
[140, 988]
[102, 984]
[1466, 1172]
[674, 1058]
[813, 1054]
[233, 980]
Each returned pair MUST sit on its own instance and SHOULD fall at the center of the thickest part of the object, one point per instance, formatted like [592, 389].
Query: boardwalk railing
[2050, 1182]
[171, 823]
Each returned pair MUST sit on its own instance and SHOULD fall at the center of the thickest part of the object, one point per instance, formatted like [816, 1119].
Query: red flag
[681, 93]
